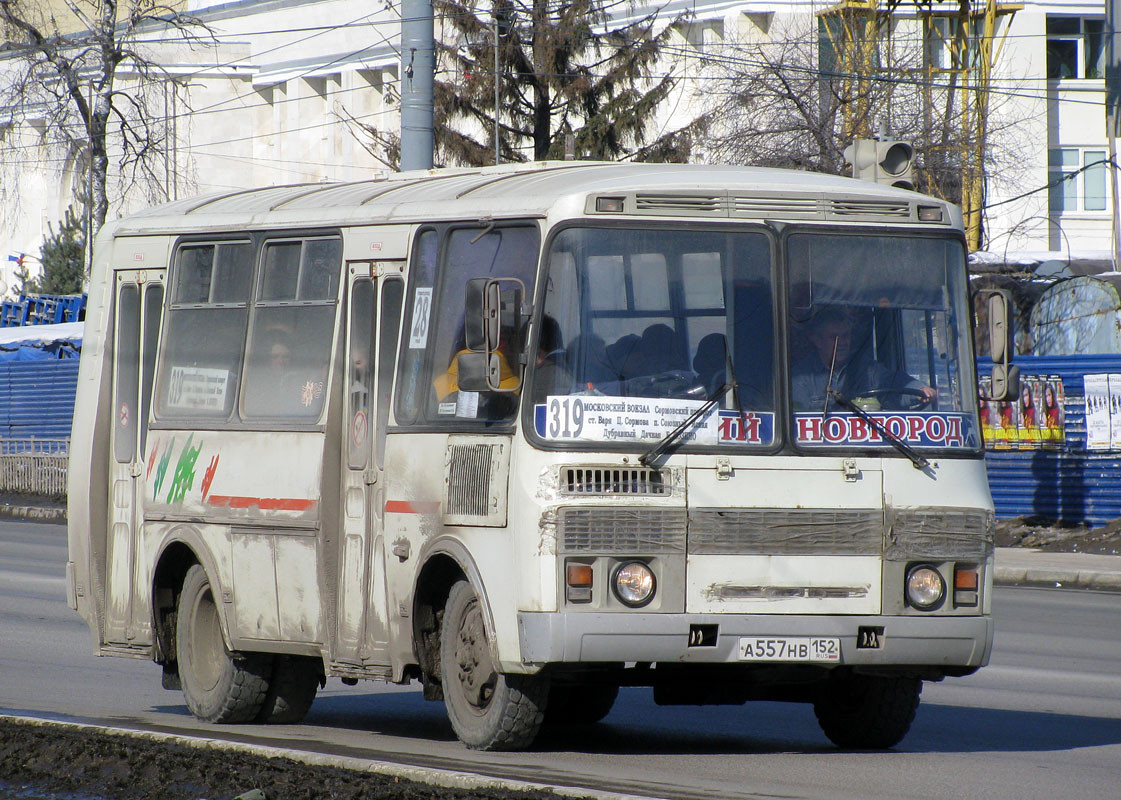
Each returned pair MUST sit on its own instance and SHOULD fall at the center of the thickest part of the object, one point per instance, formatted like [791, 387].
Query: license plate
[789, 648]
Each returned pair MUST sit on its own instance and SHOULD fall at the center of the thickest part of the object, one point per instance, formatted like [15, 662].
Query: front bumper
[636, 637]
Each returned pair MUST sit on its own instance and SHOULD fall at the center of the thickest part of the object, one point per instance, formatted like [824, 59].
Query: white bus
[529, 434]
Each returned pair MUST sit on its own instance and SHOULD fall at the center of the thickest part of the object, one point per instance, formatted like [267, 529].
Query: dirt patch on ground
[48, 761]
[1056, 537]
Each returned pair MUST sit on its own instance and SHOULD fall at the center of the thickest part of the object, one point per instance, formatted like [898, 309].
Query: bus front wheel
[867, 712]
[217, 685]
[488, 710]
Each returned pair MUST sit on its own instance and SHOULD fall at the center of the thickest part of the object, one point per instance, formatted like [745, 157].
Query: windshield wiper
[895, 441]
[673, 436]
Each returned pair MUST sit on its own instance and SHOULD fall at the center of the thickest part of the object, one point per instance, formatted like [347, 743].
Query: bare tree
[798, 96]
[73, 83]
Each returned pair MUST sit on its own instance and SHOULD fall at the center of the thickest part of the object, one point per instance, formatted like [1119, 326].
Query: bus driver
[832, 362]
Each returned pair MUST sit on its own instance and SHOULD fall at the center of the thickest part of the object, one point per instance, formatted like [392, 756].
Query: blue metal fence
[37, 398]
[1070, 483]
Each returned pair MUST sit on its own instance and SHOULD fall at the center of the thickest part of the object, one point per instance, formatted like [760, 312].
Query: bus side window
[392, 291]
[499, 252]
[415, 335]
[291, 329]
[153, 308]
[128, 370]
[205, 332]
[360, 370]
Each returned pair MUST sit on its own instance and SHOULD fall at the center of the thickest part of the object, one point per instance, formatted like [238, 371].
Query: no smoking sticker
[358, 428]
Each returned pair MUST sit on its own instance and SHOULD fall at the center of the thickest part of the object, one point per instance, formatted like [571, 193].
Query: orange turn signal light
[579, 574]
[965, 579]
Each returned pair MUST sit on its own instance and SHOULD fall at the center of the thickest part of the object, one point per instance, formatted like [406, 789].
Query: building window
[941, 36]
[1085, 173]
[1075, 48]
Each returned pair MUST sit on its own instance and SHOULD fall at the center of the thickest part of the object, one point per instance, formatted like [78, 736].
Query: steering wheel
[918, 397]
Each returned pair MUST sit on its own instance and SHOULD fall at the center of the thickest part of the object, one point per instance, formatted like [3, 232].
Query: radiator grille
[621, 530]
[783, 531]
[939, 533]
[612, 480]
[469, 472]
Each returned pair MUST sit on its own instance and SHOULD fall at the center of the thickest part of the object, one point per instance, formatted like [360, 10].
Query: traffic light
[883, 161]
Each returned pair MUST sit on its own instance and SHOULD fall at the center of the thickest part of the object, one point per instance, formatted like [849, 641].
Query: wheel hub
[477, 676]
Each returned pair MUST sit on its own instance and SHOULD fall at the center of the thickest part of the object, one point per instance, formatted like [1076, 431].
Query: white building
[275, 99]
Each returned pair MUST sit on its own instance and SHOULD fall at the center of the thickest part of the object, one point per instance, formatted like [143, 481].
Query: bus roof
[705, 191]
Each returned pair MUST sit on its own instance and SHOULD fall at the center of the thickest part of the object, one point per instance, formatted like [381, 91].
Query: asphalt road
[1043, 720]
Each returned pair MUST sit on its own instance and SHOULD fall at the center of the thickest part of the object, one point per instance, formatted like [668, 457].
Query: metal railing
[34, 466]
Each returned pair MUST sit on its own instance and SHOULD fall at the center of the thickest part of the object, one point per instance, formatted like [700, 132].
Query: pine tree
[561, 73]
[64, 257]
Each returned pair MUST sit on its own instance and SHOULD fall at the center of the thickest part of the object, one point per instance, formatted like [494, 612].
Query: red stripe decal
[262, 503]
[411, 507]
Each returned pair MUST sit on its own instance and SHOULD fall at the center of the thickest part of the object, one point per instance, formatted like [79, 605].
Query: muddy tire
[576, 704]
[218, 686]
[488, 710]
[865, 712]
[292, 688]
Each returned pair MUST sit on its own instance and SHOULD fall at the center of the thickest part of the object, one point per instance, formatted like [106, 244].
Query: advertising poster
[1053, 418]
[1115, 411]
[1098, 433]
[1007, 420]
[987, 409]
[1028, 434]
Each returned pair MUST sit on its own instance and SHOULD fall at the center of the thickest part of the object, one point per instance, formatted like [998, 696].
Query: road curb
[430, 776]
[41, 513]
[1058, 578]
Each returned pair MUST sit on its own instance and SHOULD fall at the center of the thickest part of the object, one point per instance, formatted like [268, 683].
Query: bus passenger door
[374, 314]
[139, 306]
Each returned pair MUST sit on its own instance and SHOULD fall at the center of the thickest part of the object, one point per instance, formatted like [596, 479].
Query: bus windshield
[877, 322]
[643, 327]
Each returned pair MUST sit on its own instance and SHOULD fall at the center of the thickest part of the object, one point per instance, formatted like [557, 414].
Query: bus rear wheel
[219, 686]
[487, 709]
[292, 688]
[867, 712]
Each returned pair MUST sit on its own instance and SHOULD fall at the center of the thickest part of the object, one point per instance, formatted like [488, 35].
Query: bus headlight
[634, 584]
[925, 587]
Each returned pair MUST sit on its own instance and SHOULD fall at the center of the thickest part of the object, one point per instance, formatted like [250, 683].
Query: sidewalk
[1015, 566]
[1022, 566]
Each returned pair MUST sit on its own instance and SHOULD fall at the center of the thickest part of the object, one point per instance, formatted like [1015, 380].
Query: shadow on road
[638, 726]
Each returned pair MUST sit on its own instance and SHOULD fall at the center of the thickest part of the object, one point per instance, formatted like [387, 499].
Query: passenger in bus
[624, 356]
[834, 344]
[285, 385]
[658, 350]
[447, 384]
[552, 373]
[709, 362]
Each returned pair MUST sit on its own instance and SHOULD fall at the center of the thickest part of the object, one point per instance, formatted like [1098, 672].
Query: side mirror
[1005, 382]
[1005, 377]
[474, 371]
[482, 305]
[493, 316]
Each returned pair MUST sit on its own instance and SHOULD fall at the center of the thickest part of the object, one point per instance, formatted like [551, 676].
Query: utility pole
[497, 138]
[417, 68]
[1113, 113]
